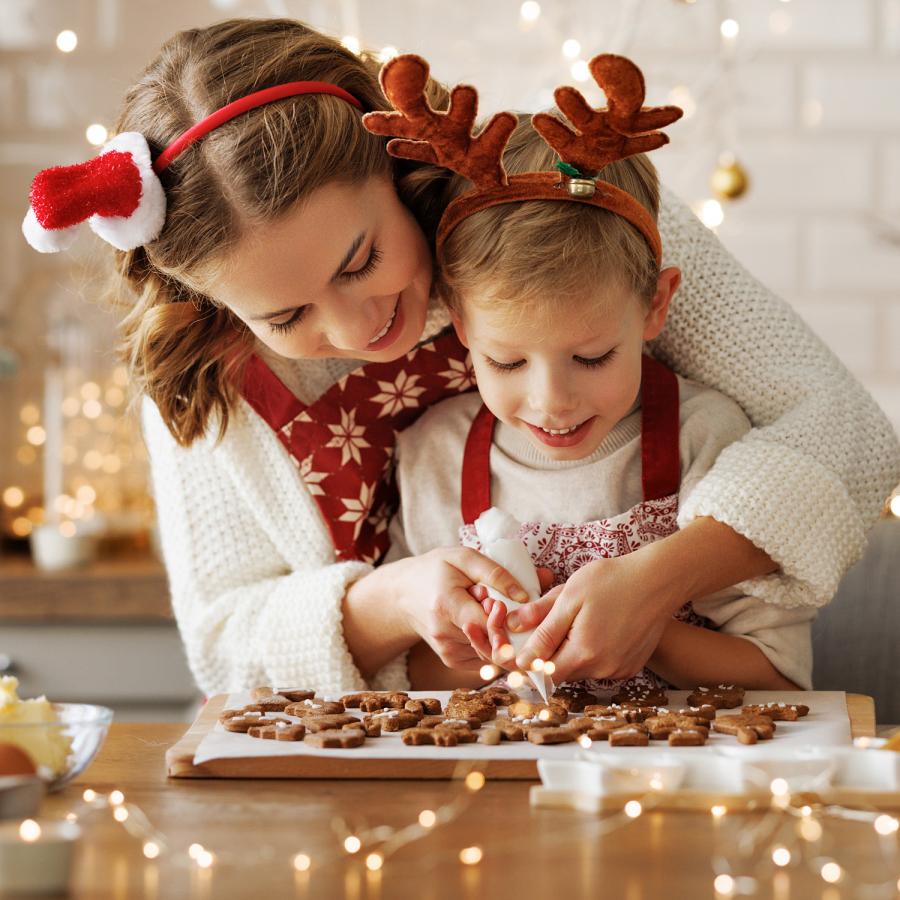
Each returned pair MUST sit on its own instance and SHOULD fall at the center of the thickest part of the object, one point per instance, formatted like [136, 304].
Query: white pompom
[47, 240]
[495, 525]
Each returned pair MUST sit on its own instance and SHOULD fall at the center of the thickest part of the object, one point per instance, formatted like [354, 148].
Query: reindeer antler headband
[597, 138]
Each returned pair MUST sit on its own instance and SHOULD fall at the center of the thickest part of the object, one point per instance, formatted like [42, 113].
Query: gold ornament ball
[729, 180]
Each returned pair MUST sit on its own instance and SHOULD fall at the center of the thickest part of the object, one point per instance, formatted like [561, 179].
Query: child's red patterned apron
[564, 547]
[343, 444]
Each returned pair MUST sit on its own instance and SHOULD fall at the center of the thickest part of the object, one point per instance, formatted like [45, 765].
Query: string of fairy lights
[791, 833]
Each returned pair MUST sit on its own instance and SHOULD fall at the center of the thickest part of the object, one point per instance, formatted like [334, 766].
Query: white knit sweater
[255, 587]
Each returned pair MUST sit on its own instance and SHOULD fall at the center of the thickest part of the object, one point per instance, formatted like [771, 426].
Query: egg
[14, 761]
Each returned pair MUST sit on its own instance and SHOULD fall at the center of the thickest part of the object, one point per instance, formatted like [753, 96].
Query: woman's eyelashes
[588, 363]
[367, 267]
[299, 313]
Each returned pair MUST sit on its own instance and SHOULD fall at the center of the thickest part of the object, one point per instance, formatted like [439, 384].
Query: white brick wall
[814, 117]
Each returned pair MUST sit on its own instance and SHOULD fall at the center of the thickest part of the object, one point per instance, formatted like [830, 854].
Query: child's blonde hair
[186, 352]
[539, 254]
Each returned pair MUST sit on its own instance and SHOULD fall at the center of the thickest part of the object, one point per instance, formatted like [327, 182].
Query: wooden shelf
[129, 589]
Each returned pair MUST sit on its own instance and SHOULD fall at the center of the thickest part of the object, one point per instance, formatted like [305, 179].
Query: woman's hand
[432, 593]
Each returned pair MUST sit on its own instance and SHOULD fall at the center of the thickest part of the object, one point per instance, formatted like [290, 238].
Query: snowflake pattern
[358, 508]
[460, 376]
[349, 437]
[401, 393]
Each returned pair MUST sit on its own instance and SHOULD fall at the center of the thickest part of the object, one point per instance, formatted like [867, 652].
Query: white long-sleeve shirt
[257, 592]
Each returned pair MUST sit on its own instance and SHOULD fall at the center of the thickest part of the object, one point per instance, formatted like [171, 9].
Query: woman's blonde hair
[184, 351]
[542, 254]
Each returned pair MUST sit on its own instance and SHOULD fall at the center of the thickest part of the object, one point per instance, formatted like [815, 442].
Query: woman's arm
[255, 590]
[809, 480]
[689, 655]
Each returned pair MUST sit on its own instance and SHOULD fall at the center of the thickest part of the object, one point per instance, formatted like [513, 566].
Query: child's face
[565, 380]
[346, 273]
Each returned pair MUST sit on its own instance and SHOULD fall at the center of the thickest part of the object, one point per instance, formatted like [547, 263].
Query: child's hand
[432, 592]
[600, 624]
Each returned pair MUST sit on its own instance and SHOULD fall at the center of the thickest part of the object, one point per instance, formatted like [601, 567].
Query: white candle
[53, 425]
[36, 857]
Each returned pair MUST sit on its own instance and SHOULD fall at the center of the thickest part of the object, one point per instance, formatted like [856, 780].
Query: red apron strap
[476, 468]
[660, 419]
[268, 397]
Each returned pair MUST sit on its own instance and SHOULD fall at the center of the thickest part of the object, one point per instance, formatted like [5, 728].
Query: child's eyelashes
[588, 363]
[504, 367]
[595, 361]
[367, 267]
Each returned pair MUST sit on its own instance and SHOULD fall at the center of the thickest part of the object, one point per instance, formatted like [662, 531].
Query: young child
[575, 431]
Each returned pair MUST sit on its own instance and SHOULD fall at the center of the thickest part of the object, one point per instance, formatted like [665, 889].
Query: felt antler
[445, 138]
[601, 136]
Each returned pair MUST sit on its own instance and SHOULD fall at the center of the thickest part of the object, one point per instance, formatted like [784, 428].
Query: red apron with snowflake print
[343, 443]
[566, 547]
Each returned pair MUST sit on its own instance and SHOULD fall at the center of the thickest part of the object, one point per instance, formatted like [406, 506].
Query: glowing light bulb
[116, 798]
[549, 667]
[723, 884]
[579, 70]
[352, 844]
[29, 414]
[13, 497]
[729, 29]
[530, 11]
[895, 506]
[585, 741]
[571, 48]
[475, 781]
[374, 861]
[633, 809]
[779, 787]
[537, 665]
[351, 42]
[810, 830]
[195, 850]
[29, 831]
[89, 796]
[205, 859]
[302, 862]
[718, 811]
[515, 679]
[781, 856]
[66, 41]
[507, 651]
[831, 872]
[427, 818]
[36, 435]
[96, 134]
[470, 856]
[487, 672]
[151, 849]
[886, 825]
[710, 213]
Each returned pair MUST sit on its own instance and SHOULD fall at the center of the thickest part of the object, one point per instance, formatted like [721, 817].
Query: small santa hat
[117, 192]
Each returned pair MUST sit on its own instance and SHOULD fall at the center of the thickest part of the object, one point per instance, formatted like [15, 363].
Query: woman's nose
[351, 323]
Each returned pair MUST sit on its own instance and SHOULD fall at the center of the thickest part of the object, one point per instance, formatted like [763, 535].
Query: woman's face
[346, 273]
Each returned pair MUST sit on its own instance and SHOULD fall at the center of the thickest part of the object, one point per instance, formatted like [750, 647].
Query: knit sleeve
[255, 588]
[808, 481]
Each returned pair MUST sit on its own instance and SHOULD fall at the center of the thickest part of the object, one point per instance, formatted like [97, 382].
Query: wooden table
[255, 828]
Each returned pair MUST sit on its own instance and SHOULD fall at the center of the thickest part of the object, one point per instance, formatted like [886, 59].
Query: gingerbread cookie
[635, 695]
[306, 709]
[762, 725]
[629, 713]
[440, 736]
[432, 721]
[371, 701]
[574, 697]
[661, 726]
[279, 731]
[337, 738]
[424, 706]
[502, 730]
[704, 711]
[552, 713]
[629, 736]
[325, 723]
[777, 712]
[552, 735]
[597, 728]
[468, 708]
[688, 737]
[393, 719]
[250, 720]
[258, 693]
[724, 696]
[295, 695]
[369, 729]
[499, 696]
[269, 703]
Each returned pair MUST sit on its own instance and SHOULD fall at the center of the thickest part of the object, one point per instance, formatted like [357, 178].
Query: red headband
[119, 192]
[242, 105]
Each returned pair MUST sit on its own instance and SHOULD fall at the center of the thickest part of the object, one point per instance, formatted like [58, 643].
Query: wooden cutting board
[180, 757]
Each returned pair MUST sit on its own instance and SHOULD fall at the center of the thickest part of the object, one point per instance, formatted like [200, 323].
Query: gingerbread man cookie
[724, 696]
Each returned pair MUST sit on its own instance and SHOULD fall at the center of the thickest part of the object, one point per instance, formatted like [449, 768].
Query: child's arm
[427, 672]
[689, 655]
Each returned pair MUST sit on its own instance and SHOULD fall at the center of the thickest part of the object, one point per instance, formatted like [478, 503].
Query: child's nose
[552, 395]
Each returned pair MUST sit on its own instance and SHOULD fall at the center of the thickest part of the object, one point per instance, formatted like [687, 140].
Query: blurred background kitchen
[789, 149]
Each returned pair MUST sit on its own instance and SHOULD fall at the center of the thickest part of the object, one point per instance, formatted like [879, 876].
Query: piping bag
[497, 532]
